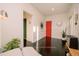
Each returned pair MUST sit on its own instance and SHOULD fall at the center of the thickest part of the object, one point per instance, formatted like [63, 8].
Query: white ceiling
[46, 8]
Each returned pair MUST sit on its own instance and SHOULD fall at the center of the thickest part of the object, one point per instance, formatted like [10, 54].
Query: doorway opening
[25, 32]
[26, 28]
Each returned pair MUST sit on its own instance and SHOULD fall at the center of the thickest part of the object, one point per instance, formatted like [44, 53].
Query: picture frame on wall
[41, 25]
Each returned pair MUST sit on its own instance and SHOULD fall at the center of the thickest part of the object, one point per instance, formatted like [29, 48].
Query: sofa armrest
[30, 51]
[13, 52]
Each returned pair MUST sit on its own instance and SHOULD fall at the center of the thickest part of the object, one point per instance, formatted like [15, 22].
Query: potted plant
[12, 44]
[63, 34]
[64, 38]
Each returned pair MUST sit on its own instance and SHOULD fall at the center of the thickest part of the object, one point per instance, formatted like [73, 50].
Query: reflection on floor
[56, 48]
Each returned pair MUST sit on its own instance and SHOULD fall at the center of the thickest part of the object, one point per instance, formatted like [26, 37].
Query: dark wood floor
[56, 48]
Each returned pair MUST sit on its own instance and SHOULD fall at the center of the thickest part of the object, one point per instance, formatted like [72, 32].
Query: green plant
[12, 44]
[63, 34]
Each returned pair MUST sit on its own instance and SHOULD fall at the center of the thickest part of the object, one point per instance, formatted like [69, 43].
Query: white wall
[13, 26]
[42, 30]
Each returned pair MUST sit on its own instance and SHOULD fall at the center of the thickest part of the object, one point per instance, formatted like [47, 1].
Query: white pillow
[14, 52]
[29, 51]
